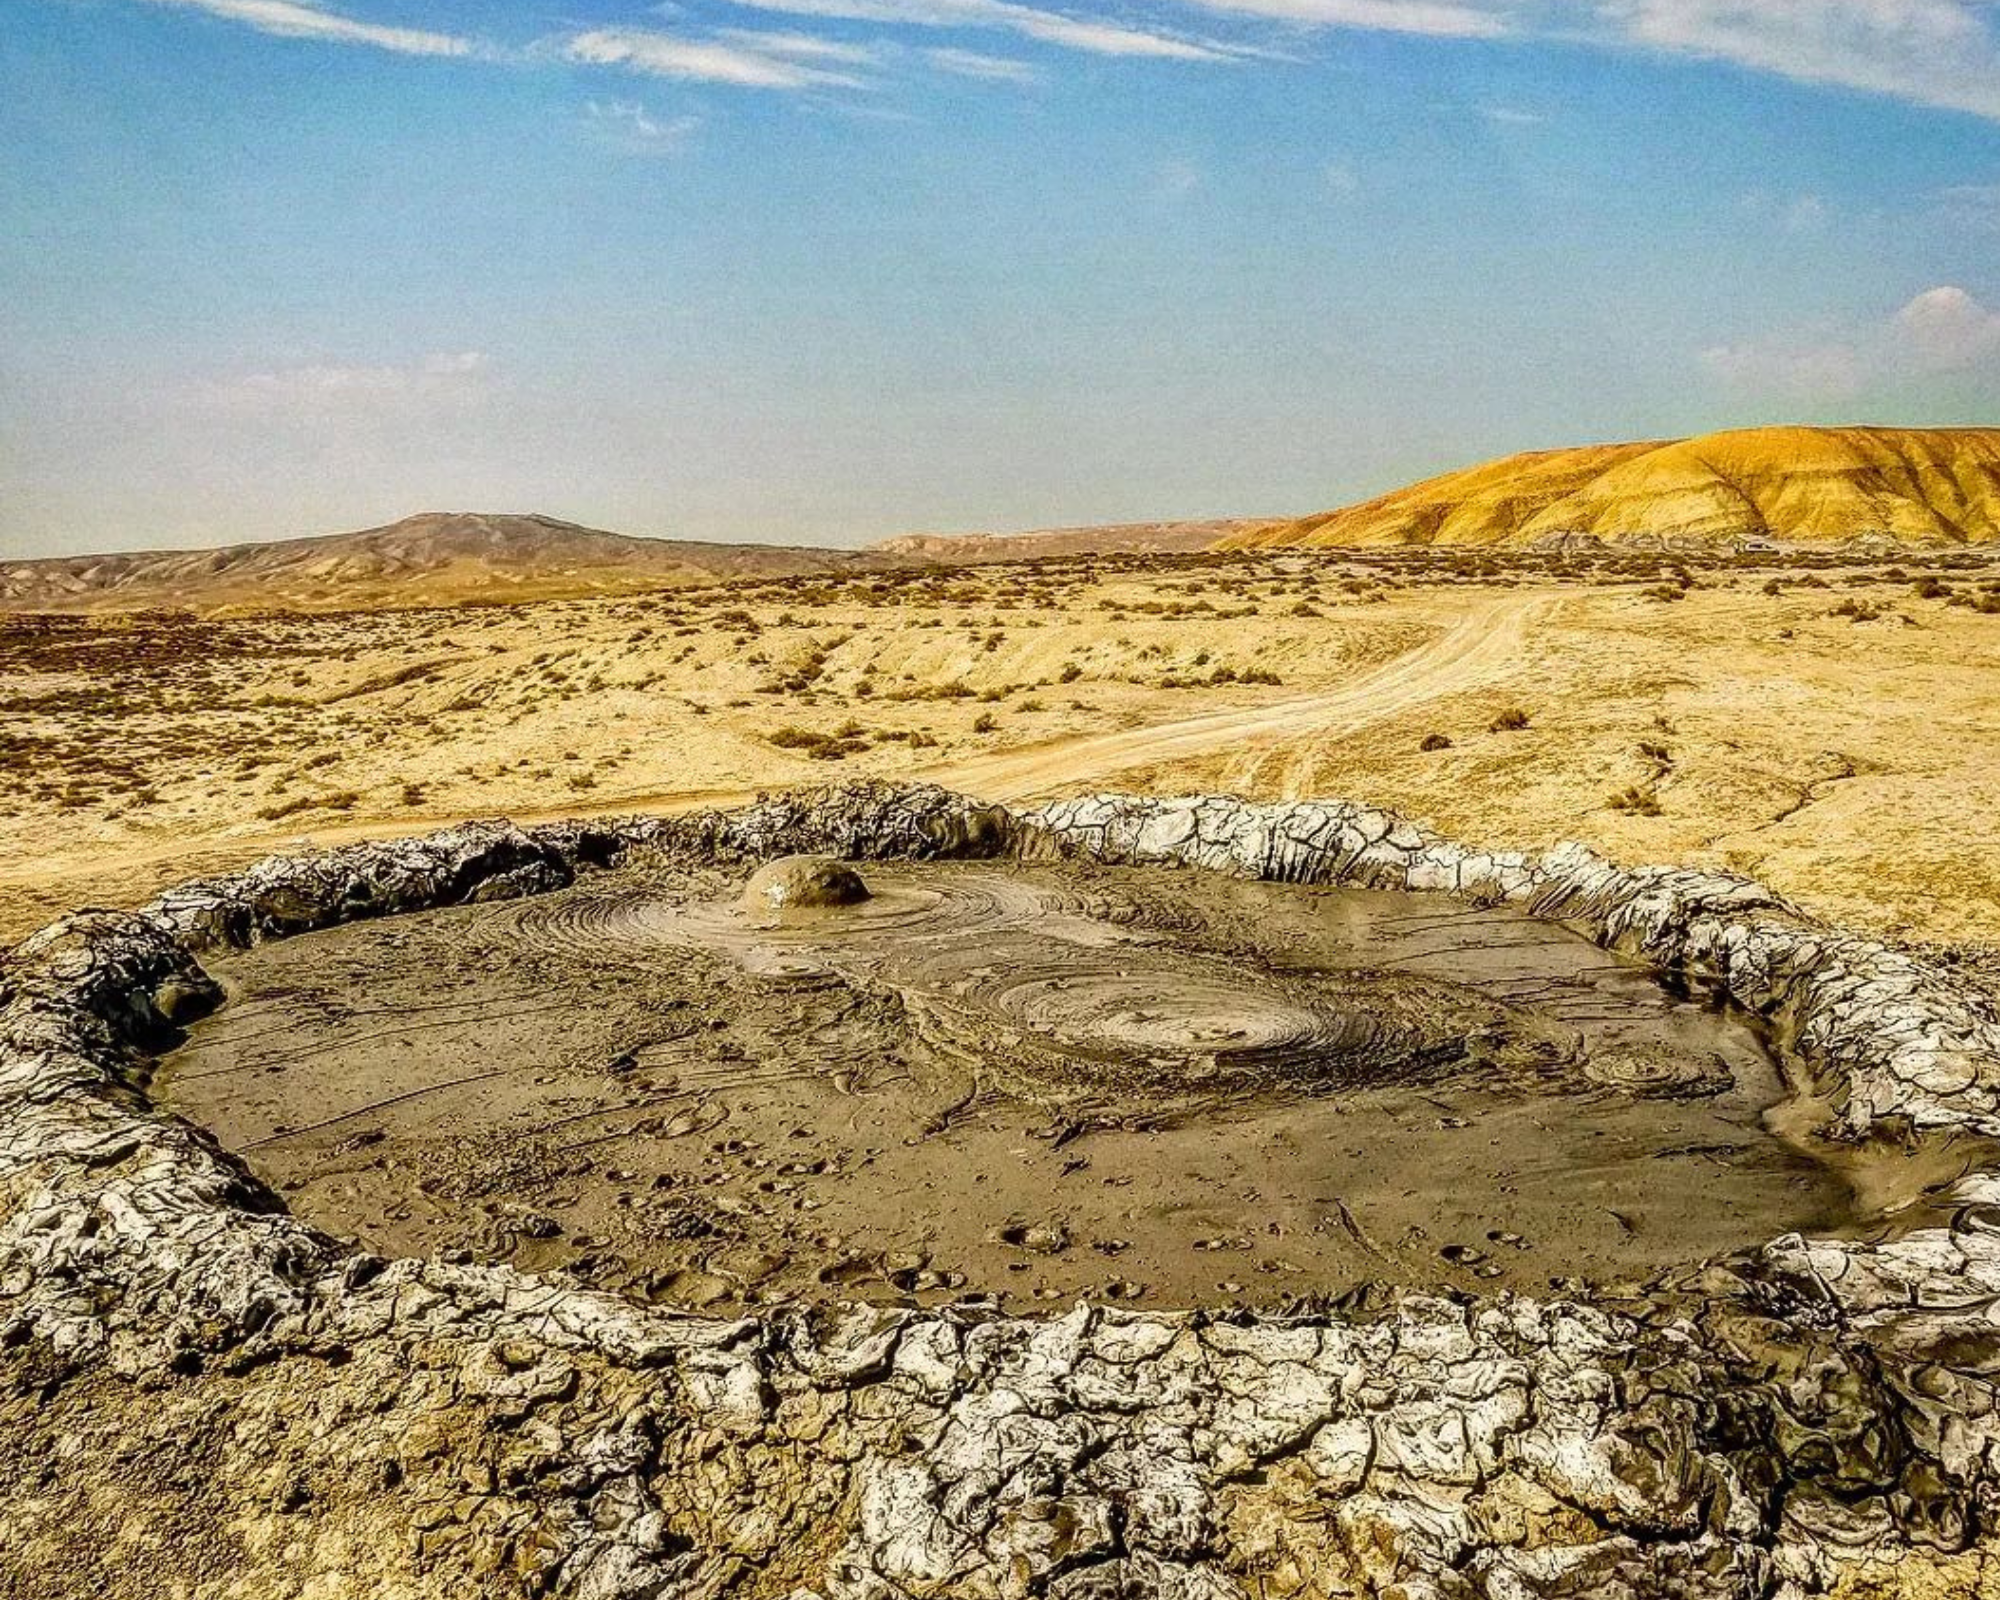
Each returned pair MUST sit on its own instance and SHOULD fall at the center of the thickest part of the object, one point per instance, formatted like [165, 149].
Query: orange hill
[1791, 485]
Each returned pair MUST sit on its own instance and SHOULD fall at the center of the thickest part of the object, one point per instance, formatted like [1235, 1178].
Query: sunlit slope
[1804, 485]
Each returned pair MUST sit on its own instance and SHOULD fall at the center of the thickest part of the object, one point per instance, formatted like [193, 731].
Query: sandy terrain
[1827, 727]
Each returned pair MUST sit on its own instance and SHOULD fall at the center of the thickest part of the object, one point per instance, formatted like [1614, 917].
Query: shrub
[985, 722]
[1512, 720]
[1435, 741]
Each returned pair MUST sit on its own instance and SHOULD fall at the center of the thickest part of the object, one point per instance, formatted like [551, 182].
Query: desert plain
[1824, 721]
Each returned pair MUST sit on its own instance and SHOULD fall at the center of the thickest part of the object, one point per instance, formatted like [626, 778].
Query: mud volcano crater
[576, 1048]
[1020, 1080]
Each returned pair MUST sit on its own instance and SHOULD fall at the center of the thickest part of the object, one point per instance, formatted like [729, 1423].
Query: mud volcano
[924, 1081]
[1527, 1107]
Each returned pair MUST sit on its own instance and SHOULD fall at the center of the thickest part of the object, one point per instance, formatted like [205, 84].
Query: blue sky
[827, 270]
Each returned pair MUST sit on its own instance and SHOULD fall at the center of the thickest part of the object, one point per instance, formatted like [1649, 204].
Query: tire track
[1478, 648]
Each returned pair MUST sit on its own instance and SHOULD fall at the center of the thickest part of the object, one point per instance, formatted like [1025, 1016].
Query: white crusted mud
[205, 1397]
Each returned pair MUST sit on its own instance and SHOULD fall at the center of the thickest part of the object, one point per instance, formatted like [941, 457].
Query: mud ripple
[902, 908]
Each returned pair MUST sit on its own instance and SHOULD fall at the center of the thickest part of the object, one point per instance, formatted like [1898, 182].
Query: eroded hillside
[1788, 485]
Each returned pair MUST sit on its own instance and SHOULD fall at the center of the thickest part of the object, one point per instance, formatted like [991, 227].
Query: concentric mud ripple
[1653, 1073]
[1070, 1023]
[903, 909]
[1066, 997]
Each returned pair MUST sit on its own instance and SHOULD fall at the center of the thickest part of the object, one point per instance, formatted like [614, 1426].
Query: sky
[826, 271]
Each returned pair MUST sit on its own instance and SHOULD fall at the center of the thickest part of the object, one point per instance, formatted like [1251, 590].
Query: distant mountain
[454, 557]
[1787, 485]
[437, 558]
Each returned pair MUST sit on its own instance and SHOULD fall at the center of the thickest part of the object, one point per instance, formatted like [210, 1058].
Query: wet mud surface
[1030, 1083]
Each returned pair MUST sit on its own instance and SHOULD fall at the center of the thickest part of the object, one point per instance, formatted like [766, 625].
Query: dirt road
[1479, 647]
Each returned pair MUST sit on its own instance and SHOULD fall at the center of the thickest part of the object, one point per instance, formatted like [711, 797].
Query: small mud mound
[803, 883]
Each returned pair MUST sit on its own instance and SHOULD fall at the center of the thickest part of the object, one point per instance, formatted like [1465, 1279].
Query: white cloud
[975, 64]
[669, 55]
[291, 19]
[1049, 27]
[1934, 52]
[1942, 330]
[1947, 330]
[631, 127]
[1342, 179]
[1512, 116]
[319, 387]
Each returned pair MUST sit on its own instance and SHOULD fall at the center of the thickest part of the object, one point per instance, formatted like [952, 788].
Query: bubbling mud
[903, 1081]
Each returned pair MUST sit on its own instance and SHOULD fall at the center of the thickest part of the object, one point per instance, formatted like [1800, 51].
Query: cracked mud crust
[205, 1396]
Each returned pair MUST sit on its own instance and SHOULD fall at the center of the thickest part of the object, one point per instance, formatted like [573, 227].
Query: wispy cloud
[1933, 52]
[1943, 53]
[321, 387]
[1941, 331]
[1938, 53]
[1832, 370]
[1047, 27]
[1970, 205]
[668, 55]
[291, 19]
[802, 46]
[1438, 18]
[630, 127]
[975, 64]
[1798, 214]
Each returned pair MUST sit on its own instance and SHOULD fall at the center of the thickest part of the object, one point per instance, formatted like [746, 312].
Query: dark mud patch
[1036, 1084]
